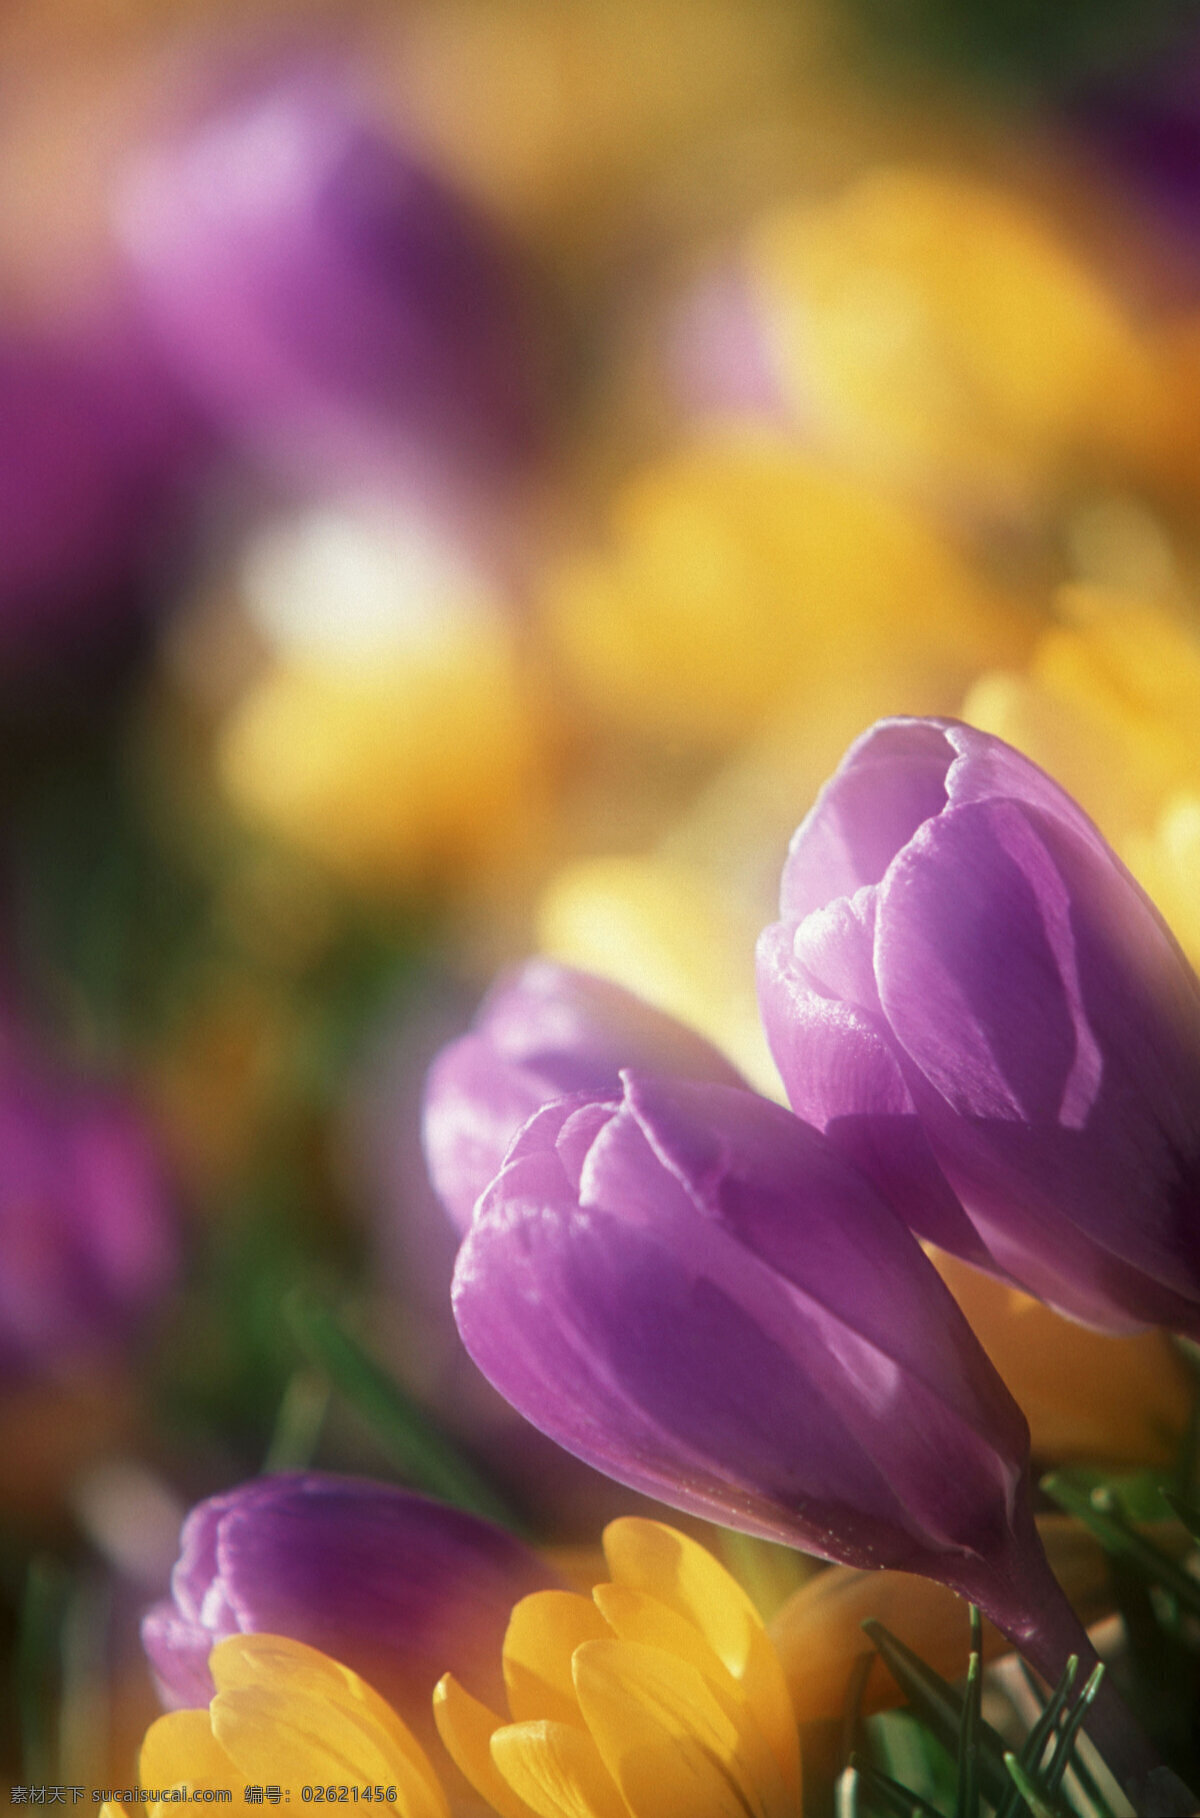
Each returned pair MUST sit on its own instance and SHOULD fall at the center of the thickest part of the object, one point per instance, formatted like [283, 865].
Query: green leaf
[889, 1796]
[1185, 1512]
[421, 1453]
[1034, 1745]
[940, 1708]
[1053, 1777]
[966, 1799]
[1135, 1495]
[1035, 1799]
[1100, 1513]
[38, 1661]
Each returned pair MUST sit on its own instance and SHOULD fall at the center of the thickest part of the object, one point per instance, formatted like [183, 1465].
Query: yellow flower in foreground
[945, 336]
[662, 1697]
[285, 1715]
[742, 572]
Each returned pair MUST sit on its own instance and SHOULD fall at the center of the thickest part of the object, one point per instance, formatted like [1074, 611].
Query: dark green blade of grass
[420, 1452]
[940, 1708]
[966, 1798]
[1099, 1514]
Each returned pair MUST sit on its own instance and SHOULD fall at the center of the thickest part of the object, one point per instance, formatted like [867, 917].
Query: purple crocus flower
[691, 1289]
[394, 1586]
[96, 448]
[1144, 125]
[328, 298]
[543, 1032]
[972, 997]
[87, 1235]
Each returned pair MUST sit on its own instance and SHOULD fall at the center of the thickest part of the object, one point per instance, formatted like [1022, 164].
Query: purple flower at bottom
[543, 1032]
[971, 996]
[396, 1587]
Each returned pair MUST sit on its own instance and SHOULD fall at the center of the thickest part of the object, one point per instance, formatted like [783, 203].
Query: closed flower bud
[974, 999]
[390, 1584]
[692, 1290]
[541, 1034]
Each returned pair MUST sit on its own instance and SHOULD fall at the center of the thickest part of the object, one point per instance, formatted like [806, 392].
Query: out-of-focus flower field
[468, 469]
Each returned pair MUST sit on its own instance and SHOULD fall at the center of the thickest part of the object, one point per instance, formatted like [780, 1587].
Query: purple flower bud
[975, 1001]
[689, 1288]
[542, 1033]
[396, 1587]
[87, 1240]
[328, 298]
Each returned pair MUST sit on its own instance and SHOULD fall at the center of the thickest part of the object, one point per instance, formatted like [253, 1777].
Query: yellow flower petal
[285, 1712]
[662, 930]
[741, 571]
[974, 374]
[1086, 1395]
[466, 1728]
[666, 1739]
[632, 1616]
[557, 1769]
[543, 1633]
[658, 1561]
[355, 767]
[180, 1749]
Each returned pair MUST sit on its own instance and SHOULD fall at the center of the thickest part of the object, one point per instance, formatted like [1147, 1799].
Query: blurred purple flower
[328, 298]
[1144, 124]
[96, 448]
[396, 1587]
[975, 1001]
[691, 1289]
[87, 1238]
[543, 1032]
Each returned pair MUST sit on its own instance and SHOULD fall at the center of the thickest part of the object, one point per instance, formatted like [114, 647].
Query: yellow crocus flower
[666, 931]
[943, 335]
[741, 573]
[285, 1715]
[409, 768]
[1165, 859]
[1088, 1397]
[661, 1697]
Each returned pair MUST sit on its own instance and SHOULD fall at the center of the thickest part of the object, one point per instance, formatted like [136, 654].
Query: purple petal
[898, 775]
[843, 1075]
[329, 298]
[542, 1034]
[695, 1322]
[396, 1587]
[1046, 1006]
